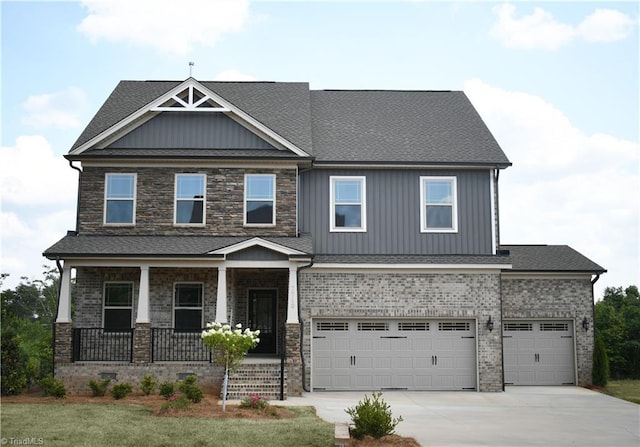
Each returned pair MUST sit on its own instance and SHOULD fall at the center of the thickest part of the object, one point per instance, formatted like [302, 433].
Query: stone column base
[142, 343]
[63, 347]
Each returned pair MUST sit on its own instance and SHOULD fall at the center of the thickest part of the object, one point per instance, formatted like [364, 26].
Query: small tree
[600, 372]
[229, 346]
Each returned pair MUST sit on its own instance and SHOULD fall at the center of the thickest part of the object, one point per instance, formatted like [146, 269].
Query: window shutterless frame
[438, 204]
[185, 303]
[348, 204]
[120, 198]
[190, 204]
[116, 304]
[259, 200]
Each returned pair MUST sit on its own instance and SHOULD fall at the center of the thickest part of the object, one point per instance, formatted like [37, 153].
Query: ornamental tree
[229, 345]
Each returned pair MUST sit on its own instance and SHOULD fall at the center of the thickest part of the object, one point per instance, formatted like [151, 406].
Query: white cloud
[60, 109]
[540, 30]
[32, 175]
[169, 27]
[565, 187]
[233, 75]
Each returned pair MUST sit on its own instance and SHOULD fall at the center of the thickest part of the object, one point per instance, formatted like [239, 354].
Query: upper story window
[259, 199]
[187, 307]
[439, 205]
[118, 306]
[348, 203]
[190, 199]
[120, 199]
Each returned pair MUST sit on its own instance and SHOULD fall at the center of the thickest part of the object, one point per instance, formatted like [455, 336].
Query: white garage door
[394, 354]
[538, 353]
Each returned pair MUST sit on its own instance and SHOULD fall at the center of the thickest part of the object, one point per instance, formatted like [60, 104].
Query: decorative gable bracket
[190, 99]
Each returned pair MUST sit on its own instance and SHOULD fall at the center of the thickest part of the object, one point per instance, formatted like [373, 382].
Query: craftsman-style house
[358, 230]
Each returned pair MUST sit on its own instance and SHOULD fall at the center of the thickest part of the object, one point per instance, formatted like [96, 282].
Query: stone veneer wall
[555, 298]
[155, 202]
[408, 295]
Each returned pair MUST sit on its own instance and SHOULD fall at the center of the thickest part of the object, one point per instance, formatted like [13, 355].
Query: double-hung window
[348, 203]
[118, 306]
[120, 199]
[190, 199]
[259, 199]
[439, 208]
[187, 307]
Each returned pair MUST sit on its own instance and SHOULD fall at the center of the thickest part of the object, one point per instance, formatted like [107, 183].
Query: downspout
[593, 306]
[304, 365]
[78, 198]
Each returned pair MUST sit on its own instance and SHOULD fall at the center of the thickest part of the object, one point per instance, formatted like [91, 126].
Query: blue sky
[557, 84]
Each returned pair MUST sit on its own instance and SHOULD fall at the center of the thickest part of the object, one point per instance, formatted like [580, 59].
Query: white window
[190, 199]
[259, 199]
[120, 199]
[187, 307]
[118, 306]
[348, 203]
[438, 201]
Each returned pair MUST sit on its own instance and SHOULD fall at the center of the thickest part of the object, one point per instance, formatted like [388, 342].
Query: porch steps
[262, 378]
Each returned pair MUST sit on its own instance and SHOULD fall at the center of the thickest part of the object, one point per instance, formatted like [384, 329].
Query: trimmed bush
[191, 391]
[175, 403]
[99, 388]
[148, 384]
[255, 401]
[167, 389]
[53, 387]
[600, 372]
[121, 390]
[372, 417]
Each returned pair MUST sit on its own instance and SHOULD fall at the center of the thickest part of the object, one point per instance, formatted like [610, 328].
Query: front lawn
[624, 389]
[96, 425]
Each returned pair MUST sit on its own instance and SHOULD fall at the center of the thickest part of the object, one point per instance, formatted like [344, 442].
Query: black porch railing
[169, 345]
[98, 345]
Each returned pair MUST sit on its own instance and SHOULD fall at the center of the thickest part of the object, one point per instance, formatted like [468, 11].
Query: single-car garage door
[538, 353]
[394, 354]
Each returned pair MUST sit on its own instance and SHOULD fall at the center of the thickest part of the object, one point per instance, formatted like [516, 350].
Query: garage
[538, 353]
[403, 354]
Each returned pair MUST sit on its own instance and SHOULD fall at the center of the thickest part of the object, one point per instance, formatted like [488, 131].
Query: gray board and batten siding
[183, 130]
[393, 214]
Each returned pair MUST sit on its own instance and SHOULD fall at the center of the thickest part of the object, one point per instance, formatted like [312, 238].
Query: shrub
[99, 388]
[175, 403]
[53, 387]
[14, 374]
[189, 388]
[254, 401]
[600, 372]
[121, 390]
[167, 389]
[148, 384]
[372, 418]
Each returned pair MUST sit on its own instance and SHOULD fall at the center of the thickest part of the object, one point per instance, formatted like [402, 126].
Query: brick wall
[398, 295]
[555, 298]
[155, 202]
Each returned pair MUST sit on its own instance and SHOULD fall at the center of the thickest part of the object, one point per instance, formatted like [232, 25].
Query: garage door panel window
[373, 326]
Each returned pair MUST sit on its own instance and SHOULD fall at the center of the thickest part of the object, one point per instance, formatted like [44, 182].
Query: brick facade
[155, 203]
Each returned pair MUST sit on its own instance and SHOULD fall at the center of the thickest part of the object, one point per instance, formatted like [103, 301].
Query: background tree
[617, 318]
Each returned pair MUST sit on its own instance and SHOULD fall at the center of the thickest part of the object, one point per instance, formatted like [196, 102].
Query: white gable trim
[155, 107]
[256, 241]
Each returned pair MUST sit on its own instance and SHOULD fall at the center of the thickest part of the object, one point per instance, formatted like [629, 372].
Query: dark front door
[262, 316]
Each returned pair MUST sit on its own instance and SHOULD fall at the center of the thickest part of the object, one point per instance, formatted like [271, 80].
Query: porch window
[118, 305]
[438, 198]
[120, 199]
[190, 199]
[259, 199]
[187, 307]
[348, 203]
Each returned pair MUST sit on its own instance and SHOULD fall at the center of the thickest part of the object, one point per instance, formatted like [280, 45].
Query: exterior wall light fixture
[585, 324]
[490, 324]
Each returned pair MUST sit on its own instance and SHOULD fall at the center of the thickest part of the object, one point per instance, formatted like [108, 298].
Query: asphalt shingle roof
[549, 258]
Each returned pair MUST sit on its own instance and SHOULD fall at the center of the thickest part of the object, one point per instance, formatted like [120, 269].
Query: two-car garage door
[394, 354]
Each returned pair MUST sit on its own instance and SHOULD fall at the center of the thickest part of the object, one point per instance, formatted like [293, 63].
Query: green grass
[624, 389]
[119, 425]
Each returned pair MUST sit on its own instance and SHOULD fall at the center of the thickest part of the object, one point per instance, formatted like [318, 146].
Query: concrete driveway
[521, 416]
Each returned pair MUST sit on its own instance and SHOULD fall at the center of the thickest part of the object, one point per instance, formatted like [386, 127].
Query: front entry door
[262, 316]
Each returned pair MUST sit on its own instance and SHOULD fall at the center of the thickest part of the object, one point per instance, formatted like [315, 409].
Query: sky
[556, 83]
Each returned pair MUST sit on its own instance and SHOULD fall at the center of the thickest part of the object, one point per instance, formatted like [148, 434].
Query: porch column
[221, 299]
[64, 305]
[292, 304]
[143, 296]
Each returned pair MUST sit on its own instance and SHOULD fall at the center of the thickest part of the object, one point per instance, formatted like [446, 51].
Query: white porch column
[221, 298]
[143, 296]
[64, 304]
[292, 304]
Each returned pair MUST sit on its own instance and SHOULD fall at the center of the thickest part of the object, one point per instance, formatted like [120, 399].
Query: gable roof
[333, 126]
[550, 258]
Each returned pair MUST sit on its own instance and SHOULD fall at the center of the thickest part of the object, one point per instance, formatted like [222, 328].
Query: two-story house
[358, 230]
